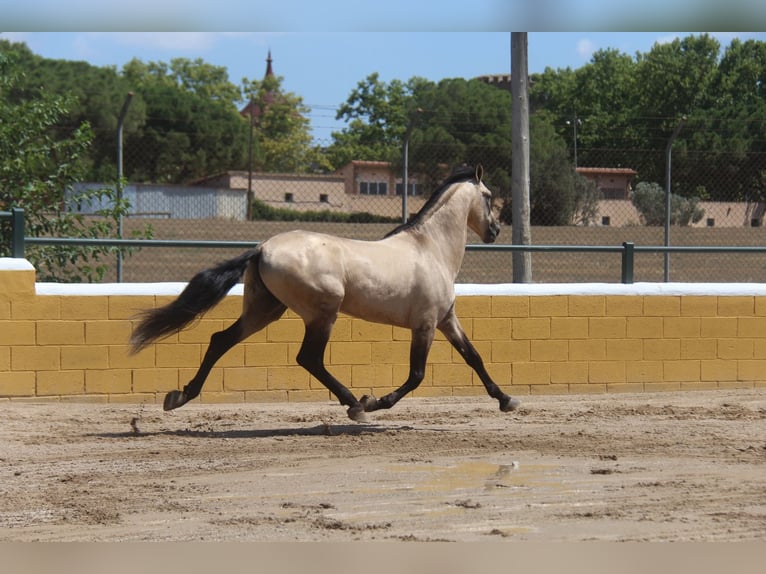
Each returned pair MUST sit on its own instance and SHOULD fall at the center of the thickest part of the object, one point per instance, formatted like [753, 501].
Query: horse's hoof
[357, 414]
[369, 403]
[508, 404]
[173, 400]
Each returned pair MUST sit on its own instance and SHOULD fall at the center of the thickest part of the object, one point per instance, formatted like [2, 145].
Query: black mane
[462, 173]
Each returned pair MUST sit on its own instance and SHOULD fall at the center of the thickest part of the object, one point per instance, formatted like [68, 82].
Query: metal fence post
[17, 238]
[627, 262]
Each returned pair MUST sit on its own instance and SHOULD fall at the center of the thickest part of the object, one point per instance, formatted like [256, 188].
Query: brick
[365, 331]
[136, 398]
[109, 381]
[60, 383]
[308, 396]
[698, 386]
[122, 307]
[213, 382]
[531, 328]
[587, 306]
[36, 308]
[549, 306]
[473, 306]
[699, 349]
[625, 349]
[607, 327]
[375, 375]
[391, 352]
[5, 358]
[736, 306]
[201, 331]
[229, 309]
[624, 306]
[549, 350]
[17, 333]
[662, 349]
[661, 387]
[699, 306]
[5, 310]
[84, 357]
[217, 397]
[441, 352]
[287, 378]
[107, 332]
[662, 306]
[177, 355]
[624, 387]
[643, 327]
[267, 354]
[350, 353]
[754, 327]
[498, 372]
[718, 370]
[155, 380]
[643, 371]
[422, 391]
[606, 372]
[760, 306]
[234, 357]
[587, 350]
[266, 396]
[680, 371]
[16, 284]
[680, 327]
[548, 390]
[510, 351]
[510, 306]
[245, 379]
[569, 372]
[735, 348]
[31, 358]
[751, 370]
[84, 308]
[60, 332]
[711, 327]
[341, 331]
[286, 330]
[491, 329]
[734, 385]
[531, 373]
[17, 384]
[569, 327]
[590, 388]
[120, 357]
[451, 375]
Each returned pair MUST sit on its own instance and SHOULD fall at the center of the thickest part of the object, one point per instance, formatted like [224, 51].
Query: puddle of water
[477, 474]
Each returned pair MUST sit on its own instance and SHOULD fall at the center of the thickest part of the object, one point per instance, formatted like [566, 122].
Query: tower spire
[269, 71]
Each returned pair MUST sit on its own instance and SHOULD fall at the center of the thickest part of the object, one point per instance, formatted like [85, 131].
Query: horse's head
[481, 217]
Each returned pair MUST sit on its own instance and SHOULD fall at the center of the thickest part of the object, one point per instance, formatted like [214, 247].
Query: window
[755, 222]
[289, 198]
[710, 222]
[324, 198]
[613, 193]
[606, 221]
[412, 189]
[373, 188]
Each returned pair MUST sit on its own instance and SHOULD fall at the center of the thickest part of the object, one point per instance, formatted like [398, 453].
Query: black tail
[203, 292]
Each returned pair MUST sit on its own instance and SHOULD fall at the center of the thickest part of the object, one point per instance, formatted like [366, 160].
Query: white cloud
[585, 48]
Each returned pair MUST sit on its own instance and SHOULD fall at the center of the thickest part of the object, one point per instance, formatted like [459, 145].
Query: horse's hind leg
[260, 309]
[311, 358]
[451, 328]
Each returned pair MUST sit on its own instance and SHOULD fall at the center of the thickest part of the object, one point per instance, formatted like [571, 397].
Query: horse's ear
[479, 173]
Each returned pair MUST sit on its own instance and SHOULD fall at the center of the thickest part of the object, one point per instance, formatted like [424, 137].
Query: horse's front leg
[452, 329]
[419, 348]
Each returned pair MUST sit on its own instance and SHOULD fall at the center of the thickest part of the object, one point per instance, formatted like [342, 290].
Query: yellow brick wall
[62, 346]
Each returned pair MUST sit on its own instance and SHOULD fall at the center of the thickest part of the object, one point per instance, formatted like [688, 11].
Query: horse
[405, 279]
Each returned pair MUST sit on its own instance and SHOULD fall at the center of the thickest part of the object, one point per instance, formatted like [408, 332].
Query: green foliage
[650, 201]
[37, 173]
[551, 188]
[586, 198]
[264, 212]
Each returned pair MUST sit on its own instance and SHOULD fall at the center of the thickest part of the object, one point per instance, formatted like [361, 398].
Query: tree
[650, 201]
[38, 170]
[282, 136]
[586, 198]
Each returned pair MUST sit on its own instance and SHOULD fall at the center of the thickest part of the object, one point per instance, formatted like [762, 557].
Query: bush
[264, 212]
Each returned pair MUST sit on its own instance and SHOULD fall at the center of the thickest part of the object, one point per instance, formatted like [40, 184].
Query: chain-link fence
[623, 200]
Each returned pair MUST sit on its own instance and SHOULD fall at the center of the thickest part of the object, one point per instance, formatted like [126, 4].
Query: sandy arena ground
[670, 466]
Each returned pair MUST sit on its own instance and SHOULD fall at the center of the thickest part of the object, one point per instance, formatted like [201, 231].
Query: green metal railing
[627, 249]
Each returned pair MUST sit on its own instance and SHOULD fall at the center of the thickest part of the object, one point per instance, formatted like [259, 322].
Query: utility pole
[522, 260]
[120, 122]
[250, 196]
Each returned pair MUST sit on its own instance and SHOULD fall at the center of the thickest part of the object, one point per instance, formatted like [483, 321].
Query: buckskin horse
[405, 279]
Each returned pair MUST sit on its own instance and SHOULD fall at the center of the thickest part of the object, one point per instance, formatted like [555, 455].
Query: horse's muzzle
[491, 234]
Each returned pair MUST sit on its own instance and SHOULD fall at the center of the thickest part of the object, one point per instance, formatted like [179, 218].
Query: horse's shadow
[318, 430]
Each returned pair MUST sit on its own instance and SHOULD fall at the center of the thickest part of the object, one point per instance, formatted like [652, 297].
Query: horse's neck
[447, 227]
